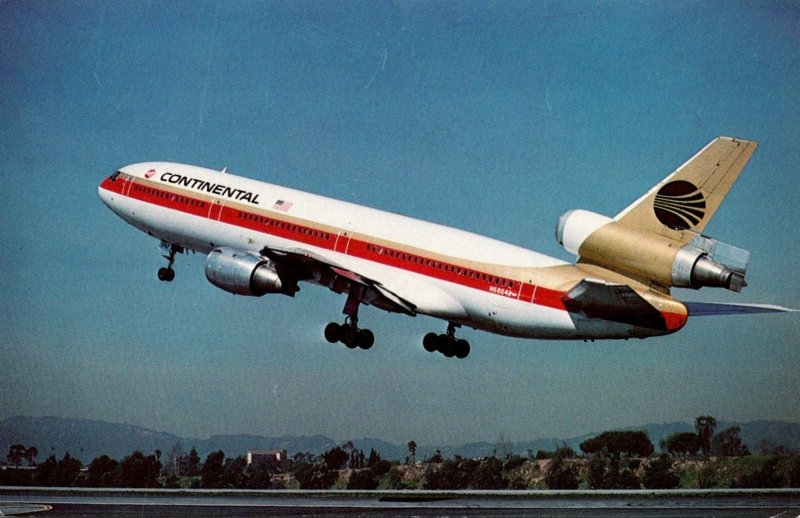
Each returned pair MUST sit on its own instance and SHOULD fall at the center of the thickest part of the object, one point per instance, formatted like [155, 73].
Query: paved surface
[90, 503]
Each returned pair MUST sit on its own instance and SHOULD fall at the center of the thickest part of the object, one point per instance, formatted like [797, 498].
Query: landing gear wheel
[365, 339]
[430, 342]
[349, 338]
[333, 332]
[461, 349]
[447, 343]
[168, 274]
[447, 346]
[350, 335]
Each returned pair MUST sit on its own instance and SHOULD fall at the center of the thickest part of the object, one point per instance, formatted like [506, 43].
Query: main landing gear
[168, 274]
[349, 333]
[447, 344]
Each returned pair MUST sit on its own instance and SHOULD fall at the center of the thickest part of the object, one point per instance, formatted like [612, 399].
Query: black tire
[166, 274]
[430, 342]
[333, 332]
[365, 339]
[349, 336]
[447, 346]
[461, 349]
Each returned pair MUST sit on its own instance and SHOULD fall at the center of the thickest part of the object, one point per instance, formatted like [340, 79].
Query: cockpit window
[114, 176]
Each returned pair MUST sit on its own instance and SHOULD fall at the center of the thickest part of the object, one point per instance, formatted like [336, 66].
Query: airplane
[265, 239]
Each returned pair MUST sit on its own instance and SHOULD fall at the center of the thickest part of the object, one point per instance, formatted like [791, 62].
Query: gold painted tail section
[689, 197]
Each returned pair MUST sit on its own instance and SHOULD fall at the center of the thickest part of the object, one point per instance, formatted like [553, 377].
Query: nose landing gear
[168, 274]
[447, 344]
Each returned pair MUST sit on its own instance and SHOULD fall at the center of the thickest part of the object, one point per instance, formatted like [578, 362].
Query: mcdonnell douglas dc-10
[262, 238]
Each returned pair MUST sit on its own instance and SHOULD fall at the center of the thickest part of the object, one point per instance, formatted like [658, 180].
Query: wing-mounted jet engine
[242, 273]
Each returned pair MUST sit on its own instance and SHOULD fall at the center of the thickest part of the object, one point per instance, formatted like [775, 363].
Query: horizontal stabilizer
[615, 302]
[705, 309]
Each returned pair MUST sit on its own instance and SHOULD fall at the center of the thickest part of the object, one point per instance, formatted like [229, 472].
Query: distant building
[266, 457]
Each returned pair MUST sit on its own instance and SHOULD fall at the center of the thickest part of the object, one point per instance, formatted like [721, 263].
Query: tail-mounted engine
[242, 273]
[703, 261]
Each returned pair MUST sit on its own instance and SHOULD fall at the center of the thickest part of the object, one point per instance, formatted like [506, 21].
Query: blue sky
[491, 117]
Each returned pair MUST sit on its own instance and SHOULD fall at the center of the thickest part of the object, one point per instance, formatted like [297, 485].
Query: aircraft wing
[704, 309]
[615, 302]
[303, 264]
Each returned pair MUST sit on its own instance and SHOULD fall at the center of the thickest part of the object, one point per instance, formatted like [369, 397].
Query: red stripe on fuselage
[344, 243]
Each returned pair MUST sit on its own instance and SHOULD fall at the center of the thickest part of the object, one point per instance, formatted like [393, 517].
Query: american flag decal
[282, 205]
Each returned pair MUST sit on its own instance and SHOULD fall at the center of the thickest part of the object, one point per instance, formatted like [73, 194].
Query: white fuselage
[450, 274]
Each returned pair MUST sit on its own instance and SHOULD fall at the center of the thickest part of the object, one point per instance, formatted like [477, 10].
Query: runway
[71, 503]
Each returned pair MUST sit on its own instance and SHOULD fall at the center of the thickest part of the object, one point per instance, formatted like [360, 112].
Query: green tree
[794, 471]
[488, 475]
[193, 463]
[728, 443]
[46, 473]
[559, 474]
[31, 454]
[233, 473]
[704, 425]
[618, 442]
[335, 458]
[436, 458]
[258, 476]
[682, 443]
[707, 477]
[658, 474]
[315, 476]
[53, 473]
[103, 472]
[766, 475]
[211, 473]
[444, 475]
[15, 454]
[604, 473]
[362, 479]
[380, 468]
[138, 470]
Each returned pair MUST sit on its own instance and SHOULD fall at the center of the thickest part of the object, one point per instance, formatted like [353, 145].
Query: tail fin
[689, 197]
[658, 238]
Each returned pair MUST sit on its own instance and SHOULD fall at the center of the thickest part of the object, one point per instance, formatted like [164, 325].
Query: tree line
[610, 460]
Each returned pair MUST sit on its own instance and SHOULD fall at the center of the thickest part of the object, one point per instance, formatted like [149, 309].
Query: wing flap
[378, 294]
[615, 302]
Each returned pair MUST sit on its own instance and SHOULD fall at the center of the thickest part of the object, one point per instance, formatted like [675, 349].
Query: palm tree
[30, 454]
[705, 425]
[412, 452]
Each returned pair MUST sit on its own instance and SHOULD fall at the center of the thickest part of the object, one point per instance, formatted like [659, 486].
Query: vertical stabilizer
[689, 197]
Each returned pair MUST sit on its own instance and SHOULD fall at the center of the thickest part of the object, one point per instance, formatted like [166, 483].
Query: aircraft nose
[107, 190]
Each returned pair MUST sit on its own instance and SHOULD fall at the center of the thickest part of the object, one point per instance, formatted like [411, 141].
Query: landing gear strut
[349, 333]
[168, 274]
[447, 344]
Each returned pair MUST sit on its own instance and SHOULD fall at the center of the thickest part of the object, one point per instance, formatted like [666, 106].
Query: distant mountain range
[87, 439]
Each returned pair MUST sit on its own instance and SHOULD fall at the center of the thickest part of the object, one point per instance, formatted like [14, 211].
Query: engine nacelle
[600, 240]
[242, 273]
